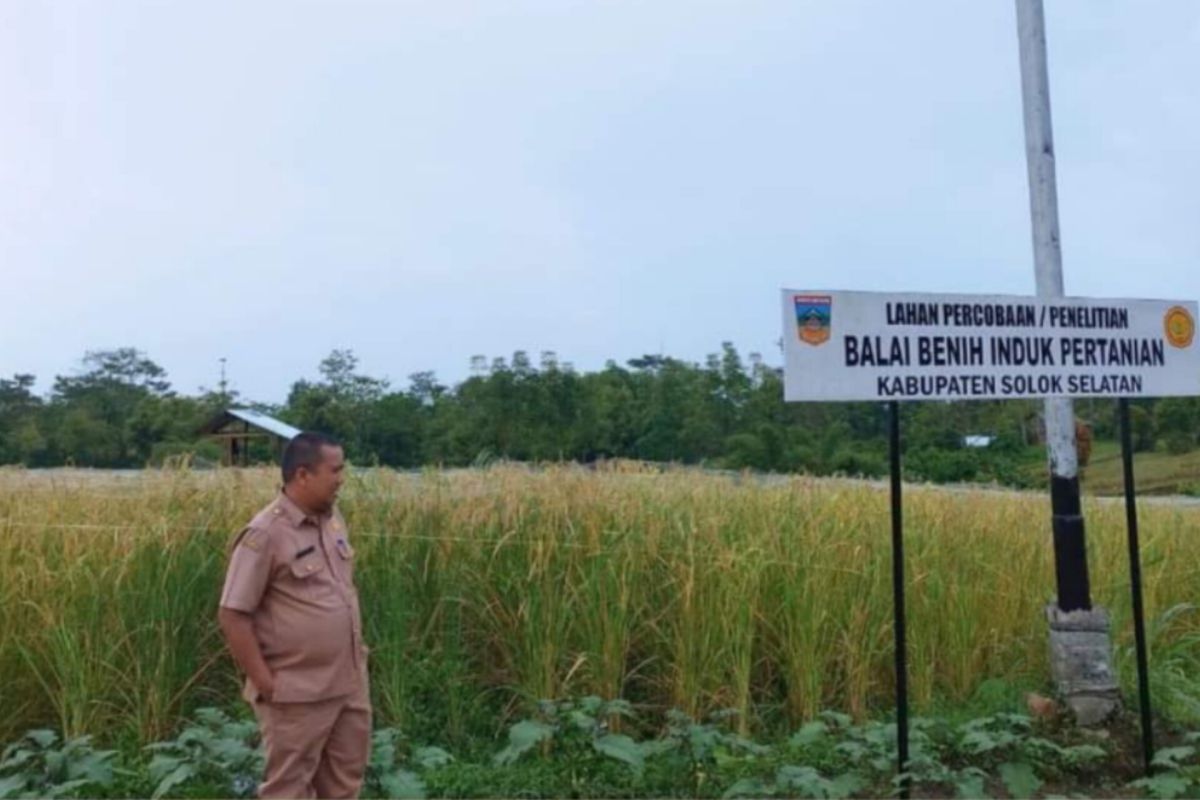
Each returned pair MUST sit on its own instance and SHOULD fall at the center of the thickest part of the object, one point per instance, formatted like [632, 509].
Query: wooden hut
[236, 428]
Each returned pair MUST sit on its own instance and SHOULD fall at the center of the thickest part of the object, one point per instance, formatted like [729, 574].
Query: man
[290, 615]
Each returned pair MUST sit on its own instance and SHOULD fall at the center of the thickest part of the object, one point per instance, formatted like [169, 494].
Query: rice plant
[485, 588]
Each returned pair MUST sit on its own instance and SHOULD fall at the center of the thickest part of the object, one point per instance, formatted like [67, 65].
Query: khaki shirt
[294, 574]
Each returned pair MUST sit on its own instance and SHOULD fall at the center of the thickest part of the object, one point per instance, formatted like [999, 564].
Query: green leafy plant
[867, 754]
[1023, 760]
[38, 766]
[799, 781]
[830, 757]
[216, 750]
[388, 770]
[577, 729]
[702, 749]
[569, 748]
[1176, 772]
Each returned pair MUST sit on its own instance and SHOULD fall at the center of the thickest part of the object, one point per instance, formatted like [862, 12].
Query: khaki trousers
[315, 749]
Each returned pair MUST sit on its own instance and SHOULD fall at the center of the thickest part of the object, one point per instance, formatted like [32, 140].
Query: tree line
[120, 411]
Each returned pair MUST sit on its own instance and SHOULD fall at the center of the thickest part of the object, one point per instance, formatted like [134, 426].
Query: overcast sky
[425, 181]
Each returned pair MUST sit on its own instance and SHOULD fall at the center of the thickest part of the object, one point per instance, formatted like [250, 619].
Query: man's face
[321, 484]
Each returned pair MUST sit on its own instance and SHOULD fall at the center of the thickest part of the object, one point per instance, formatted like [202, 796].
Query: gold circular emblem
[1179, 326]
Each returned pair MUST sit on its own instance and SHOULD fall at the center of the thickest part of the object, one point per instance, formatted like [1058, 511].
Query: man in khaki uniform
[290, 615]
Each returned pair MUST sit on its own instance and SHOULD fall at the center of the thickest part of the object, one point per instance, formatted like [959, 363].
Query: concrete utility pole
[1081, 650]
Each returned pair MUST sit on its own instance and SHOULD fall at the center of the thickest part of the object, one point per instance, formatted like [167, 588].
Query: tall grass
[483, 588]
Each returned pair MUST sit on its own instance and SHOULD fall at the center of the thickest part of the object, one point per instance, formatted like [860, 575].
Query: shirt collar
[295, 514]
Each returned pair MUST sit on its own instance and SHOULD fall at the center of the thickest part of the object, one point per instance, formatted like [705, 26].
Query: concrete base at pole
[1081, 661]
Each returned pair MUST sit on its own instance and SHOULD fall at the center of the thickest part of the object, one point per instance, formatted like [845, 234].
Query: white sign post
[891, 347]
[883, 346]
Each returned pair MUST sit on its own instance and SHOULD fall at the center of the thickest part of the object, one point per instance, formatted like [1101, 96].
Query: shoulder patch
[251, 537]
[268, 518]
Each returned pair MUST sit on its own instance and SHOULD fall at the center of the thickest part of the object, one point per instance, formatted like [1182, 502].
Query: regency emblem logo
[813, 317]
[1179, 326]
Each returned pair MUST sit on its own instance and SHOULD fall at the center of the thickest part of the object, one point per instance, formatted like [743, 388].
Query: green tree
[22, 441]
[1177, 419]
[397, 434]
[342, 404]
[1143, 430]
[172, 421]
[93, 411]
[606, 425]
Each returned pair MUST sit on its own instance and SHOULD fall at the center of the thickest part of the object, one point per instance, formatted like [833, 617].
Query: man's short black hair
[304, 450]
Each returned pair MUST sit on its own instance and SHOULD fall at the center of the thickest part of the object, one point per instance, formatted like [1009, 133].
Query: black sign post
[898, 600]
[1135, 582]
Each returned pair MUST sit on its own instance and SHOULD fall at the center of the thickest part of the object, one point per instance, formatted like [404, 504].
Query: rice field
[482, 589]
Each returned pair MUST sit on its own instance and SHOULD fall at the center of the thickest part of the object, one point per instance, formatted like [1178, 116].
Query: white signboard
[883, 346]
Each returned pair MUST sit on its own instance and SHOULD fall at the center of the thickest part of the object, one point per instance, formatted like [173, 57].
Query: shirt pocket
[311, 577]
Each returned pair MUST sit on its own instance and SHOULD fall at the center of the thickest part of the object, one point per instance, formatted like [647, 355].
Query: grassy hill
[1156, 473]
